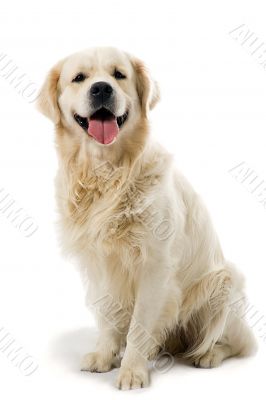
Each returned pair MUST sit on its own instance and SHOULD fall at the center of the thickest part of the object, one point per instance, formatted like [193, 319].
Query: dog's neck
[87, 179]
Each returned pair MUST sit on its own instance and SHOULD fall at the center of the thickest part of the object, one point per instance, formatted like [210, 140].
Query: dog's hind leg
[214, 328]
[214, 357]
[237, 340]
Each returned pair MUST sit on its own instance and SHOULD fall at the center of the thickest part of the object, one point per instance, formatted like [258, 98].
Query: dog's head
[98, 95]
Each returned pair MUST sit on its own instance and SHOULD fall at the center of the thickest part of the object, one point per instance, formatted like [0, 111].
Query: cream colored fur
[141, 234]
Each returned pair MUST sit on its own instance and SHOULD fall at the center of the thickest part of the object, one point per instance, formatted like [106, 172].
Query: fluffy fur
[141, 234]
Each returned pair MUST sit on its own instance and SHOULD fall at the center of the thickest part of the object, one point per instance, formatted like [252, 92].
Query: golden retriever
[157, 277]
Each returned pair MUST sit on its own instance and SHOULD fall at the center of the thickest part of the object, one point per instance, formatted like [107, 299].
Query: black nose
[101, 92]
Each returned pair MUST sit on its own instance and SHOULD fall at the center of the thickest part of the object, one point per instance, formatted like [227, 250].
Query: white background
[212, 117]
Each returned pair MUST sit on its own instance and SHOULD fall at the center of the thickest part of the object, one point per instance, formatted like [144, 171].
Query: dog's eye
[79, 78]
[119, 75]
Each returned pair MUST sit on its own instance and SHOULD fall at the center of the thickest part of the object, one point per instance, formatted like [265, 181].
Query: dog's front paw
[98, 362]
[129, 378]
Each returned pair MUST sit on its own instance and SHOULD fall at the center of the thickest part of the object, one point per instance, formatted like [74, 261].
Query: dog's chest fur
[109, 211]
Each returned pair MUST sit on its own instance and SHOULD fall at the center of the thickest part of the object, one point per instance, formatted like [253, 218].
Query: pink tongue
[103, 131]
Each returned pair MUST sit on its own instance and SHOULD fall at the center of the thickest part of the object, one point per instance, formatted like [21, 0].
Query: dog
[156, 276]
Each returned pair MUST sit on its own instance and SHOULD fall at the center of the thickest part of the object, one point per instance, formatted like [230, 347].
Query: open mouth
[103, 125]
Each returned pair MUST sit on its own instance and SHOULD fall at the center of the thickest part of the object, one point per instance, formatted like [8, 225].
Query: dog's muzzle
[103, 124]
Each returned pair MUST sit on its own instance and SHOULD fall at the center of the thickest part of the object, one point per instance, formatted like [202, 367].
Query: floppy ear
[147, 88]
[47, 100]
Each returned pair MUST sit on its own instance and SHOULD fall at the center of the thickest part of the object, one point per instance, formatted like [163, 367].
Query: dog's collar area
[102, 114]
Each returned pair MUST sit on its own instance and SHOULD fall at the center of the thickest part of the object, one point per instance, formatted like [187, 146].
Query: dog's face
[100, 94]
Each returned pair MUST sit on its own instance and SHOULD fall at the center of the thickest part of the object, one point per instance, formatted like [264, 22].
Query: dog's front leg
[106, 355]
[113, 322]
[151, 297]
